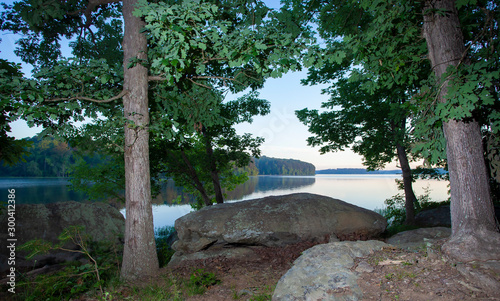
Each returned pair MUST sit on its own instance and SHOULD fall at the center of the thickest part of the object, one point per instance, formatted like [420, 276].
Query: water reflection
[41, 190]
[258, 184]
[367, 191]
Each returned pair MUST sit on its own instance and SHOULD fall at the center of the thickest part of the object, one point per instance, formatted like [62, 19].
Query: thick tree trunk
[474, 230]
[410, 198]
[139, 254]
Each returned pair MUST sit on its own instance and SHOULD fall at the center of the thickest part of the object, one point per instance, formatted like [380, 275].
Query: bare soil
[389, 274]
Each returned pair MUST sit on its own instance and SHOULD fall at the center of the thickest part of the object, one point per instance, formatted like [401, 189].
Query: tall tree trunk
[139, 254]
[214, 174]
[410, 198]
[474, 230]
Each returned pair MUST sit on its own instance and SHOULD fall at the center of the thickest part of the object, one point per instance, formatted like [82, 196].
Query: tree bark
[410, 198]
[139, 254]
[474, 229]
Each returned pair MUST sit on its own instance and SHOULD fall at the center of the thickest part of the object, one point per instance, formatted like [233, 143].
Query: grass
[173, 288]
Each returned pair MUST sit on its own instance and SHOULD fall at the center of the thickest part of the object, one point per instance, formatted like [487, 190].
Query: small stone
[245, 292]
[431, 255]
[364, 267]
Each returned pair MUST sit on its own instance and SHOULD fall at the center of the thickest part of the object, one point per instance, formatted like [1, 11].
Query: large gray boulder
[325, 272]
[102, 223]
[275, 221]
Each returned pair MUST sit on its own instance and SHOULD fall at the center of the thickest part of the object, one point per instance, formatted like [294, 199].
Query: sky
[285, 137]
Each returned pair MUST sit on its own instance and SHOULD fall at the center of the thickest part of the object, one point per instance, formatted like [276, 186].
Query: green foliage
[175, 288]
[194, 160]
[158, 293]
[200, 280]
[100, 180]
[77, 277]
[262, 297]
[11, 150]
[373, 62]
[378, 44]
[472, 89]
[395, 213]
[163, 250]
[219, 37]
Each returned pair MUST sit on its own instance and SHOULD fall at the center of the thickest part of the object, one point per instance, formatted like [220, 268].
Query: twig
[201, 85]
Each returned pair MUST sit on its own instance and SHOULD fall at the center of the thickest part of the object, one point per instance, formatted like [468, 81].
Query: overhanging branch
[123, 93]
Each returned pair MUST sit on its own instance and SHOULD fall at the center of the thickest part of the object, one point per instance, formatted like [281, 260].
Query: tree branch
[156, 78]
[201, 85]
[92, 5]
[122, 93]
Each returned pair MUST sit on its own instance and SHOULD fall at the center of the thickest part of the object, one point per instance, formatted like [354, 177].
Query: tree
[164, 49]
[373, 125]
[367, 64]
[232, 150]
[474, 230]
[11, 150]
[204, 164]
[465, 85]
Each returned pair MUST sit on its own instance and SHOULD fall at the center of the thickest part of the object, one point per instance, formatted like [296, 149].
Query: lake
[367, 191]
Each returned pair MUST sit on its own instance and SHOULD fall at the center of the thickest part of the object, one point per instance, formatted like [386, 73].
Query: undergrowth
[174, 288]
[163, 249]
[89, 275]
[395, 212]
[97, 274]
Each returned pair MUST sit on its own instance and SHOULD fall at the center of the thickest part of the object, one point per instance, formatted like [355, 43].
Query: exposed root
[480, 246]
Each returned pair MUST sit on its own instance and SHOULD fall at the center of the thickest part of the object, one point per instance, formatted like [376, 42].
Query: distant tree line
[45, 157]
[356, 171]
[49, 157]
[287, 167]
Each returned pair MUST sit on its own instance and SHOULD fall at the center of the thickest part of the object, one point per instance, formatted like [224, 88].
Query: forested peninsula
[49, 157]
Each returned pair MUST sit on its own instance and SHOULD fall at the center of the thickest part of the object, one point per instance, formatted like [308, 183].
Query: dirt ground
[389, 274]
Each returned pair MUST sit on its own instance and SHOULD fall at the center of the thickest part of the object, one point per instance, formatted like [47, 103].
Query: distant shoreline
[357, 171]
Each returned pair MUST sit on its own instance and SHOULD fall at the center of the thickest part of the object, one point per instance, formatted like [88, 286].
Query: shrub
[200, 280]
[395, 212]
[163, 250]
[76, 277]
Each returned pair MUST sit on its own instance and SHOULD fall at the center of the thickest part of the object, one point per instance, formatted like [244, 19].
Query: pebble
[364, 267]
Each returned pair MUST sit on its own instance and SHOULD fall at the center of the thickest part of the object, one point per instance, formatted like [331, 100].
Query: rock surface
[323, 272]
[275, 221]
[440, 217]
[419, 238]
[102, 222]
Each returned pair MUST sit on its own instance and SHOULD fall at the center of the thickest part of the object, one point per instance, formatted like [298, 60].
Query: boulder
[440, 217]
[102, 222]
[275, 221]
[325, 272]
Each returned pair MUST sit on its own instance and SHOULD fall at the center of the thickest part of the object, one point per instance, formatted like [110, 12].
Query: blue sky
[285, 136]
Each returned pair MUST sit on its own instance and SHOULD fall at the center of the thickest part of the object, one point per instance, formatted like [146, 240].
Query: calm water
[39, 190]
[367, 191]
